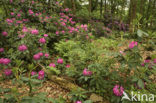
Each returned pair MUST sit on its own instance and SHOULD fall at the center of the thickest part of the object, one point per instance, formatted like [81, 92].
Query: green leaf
[140, 33]
[88, 101]
[135, 79]
[24, 79]
[140, 83]
[35, 81]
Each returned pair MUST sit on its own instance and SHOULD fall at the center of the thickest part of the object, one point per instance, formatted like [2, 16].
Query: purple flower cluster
[34, 32]
[87, 72]
[7, 72]
[78, 102]
[4, 33]
[60, 61]
[39, 55]
[33, 73]
[22, 47]
[42, 40]
[1, 50]
[149, 62]
[41, 74]
[118, 90]
[52, 65]
[5, 61]
[133, 44]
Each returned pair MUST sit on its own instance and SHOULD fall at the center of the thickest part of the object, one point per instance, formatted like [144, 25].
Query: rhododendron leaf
[88, 101]
[135, 79]
[1, 100]
[140, 33]
[35, 81]
[24, 79]
[140, 83]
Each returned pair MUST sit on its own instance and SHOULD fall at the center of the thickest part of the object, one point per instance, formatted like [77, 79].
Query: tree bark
[101, 8]
[132, 15]
[90, 7]
[73, 6]
[105, 5]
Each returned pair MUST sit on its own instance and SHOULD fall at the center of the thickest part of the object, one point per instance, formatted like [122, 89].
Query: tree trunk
[101, 4]
[148, 12]
[73, 6]
[105, 5]
[90, 7]
[112, 7]
[132, 15]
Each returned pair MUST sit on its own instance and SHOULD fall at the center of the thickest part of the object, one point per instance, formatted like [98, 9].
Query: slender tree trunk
[132, 15]
[73, 6]
[90, 7]
[65, 3]
[105, 5]
[112, 7]
[101, 7]
[148, 12]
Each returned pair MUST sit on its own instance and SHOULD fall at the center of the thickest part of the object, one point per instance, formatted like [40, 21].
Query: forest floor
[52, 89]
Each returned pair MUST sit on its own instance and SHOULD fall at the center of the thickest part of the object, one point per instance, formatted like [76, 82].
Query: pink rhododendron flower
[73, 22]
[24, 30]
[87, 72]
[46, 55]
[5, 61]
[18, 15]
[66, 9]
[22, 48]
[52, 65]
[22, 1]
[40, 54]
[57, 32]
[33, 2]
[4, 33]
[41, 74]
[25, 20]
[78, 102]
[19, 22]
[21, 36]
[36, 14]
[42, 40]
[45, 35]
[12, 13]
[31, 12]
[57, 2]
[7, 72]
[154, 61]
[60, 61]
[36, 57]
[11, 1]
[147, 61]
[33, 73]
[63, 31]
[68, 66]
[1, 50]
[142, 64]
[9, 21]
[34, 31]
[118, 90]
[132, 44]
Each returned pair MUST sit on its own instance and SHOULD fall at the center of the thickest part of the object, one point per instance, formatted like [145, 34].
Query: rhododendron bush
[39, 39]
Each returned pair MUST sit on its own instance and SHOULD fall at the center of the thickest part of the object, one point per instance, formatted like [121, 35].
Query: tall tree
[101, 8]
[90, 7]
[132, 14]
[73, 6]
